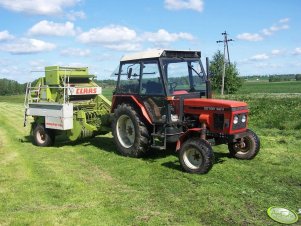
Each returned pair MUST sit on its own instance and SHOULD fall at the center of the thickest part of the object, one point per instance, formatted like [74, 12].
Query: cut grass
[87, 183]
[12, 99]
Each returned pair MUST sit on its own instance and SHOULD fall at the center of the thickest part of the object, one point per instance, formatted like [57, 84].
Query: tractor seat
[180, 92]
[153, 88]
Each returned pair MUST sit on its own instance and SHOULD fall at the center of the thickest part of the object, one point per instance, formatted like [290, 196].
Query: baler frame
[59, 103]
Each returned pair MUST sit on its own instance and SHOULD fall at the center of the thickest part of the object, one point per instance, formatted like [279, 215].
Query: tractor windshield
[184, 75]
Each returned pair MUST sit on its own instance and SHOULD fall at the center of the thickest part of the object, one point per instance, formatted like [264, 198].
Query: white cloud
[50, 28]
[27, 46]
[75, 52]
[124, 46]
[276, 52]
[40, 7]
[114, 37]
[122, 38]
[271, 30]
[297, 51]
[5, 36]
[108, 35]
[163, 36]
[282, 24]
[259, 57]
[250, 37]
[284, 20]
[74, 15]
[196, 5]
[38, 65]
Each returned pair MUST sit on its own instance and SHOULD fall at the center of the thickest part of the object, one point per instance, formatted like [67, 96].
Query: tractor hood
[214, 104]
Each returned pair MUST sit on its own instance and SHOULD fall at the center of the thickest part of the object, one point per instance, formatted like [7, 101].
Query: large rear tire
[247, 148]
[130, 133]
[196, 156]
[43, 137]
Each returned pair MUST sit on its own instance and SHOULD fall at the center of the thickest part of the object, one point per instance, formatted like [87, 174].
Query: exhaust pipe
[208, 82]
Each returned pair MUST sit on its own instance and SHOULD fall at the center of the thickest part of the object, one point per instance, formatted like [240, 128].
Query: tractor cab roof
[156, 53]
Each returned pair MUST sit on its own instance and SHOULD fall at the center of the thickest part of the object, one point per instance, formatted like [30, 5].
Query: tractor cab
[153, 77]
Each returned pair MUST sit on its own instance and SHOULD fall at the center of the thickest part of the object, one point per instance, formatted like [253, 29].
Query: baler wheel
[196, 156]
[130, 134]
[43, 137]
[245, 149]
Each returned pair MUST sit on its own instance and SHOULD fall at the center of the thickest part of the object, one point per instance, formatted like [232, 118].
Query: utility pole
[226, 48]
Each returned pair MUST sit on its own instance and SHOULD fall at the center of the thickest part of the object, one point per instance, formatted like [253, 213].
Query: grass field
[87, 183]
[270, 87]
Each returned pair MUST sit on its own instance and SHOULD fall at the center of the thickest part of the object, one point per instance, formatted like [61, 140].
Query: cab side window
[129, 78]
[151, 83]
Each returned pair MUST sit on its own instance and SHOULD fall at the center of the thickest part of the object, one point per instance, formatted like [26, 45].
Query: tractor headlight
[243, 118]
[235, 120]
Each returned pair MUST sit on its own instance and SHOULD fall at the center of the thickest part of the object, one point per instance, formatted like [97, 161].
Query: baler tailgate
[57, 116]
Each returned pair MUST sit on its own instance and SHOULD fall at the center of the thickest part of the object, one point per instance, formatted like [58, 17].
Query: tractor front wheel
[130, 134]
[196, 156]
[43, 137]
[247, 148]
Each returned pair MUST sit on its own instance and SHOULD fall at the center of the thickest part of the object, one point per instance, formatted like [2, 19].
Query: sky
[97, 33]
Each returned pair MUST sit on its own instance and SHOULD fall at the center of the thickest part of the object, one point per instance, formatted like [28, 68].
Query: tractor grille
[218, 121]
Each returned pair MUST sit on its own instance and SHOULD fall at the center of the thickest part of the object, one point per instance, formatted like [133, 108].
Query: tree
[232, 81]
[298, 77]
[11, 87]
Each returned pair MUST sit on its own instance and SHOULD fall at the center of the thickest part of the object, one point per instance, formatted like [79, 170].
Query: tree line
[11, 87]
[280, 78]
[276, 78]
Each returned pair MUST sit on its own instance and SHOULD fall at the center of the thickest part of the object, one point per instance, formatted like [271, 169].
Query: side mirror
[130, 73]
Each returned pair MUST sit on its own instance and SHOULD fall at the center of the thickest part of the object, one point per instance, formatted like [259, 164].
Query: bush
[232, 81]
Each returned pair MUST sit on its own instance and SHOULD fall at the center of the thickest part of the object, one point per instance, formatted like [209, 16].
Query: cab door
[152, 91]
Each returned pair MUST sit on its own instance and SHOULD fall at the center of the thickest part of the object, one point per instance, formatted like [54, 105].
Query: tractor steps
[158, 147]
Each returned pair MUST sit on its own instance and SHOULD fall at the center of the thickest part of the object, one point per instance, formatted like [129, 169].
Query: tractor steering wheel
[172, 86]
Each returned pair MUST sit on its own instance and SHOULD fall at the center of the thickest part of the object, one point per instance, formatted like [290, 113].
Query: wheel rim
[244, 149]
[193, 158]
[125, 131]
[41, 136]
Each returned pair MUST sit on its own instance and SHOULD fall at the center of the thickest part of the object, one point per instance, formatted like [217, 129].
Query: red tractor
[163, 99]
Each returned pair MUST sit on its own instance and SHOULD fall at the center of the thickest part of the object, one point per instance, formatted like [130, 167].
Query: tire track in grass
[12, 115]
[60, 180]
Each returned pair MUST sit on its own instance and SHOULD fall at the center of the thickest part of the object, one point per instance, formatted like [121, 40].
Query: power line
[226, 48]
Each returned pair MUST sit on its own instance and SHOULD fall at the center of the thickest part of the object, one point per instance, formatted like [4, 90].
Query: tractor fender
[118, 99]
[194, 132]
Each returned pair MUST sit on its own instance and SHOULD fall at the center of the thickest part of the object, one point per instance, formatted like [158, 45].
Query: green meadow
[88, 183]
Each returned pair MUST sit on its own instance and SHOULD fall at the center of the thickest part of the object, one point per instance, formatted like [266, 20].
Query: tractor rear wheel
[130, 134]
[43, 137]
[247, 148]
[196, 156]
